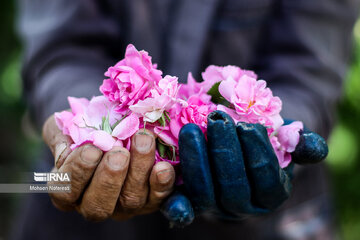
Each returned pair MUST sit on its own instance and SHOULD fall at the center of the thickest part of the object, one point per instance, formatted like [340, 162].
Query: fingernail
[91, 154]
[117, 160]
[59, 150]
[164, 176]
[143, 142]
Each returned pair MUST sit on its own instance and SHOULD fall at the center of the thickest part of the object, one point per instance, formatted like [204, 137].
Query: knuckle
[95, 213]
[78, 181]
[139, 174]
[131, 201]
[60, 205]
[110, 185]
[64, 198]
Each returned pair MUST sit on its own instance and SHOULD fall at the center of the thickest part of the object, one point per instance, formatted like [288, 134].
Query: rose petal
[102, 140]
[165, 134]
[127, 127]
[289, 135]
[78, 105]
[64, 120]
[226, 88]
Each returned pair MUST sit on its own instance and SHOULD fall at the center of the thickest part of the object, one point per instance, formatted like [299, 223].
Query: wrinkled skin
[236, 172]
[117, 184]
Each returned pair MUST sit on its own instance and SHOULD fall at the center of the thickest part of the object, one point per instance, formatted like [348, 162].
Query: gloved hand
[236, 173]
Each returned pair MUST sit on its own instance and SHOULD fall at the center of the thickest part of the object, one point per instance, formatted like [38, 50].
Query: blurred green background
[20, 143]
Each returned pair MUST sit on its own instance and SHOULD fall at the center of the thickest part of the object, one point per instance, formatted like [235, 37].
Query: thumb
[58, 143]
[312, 148]
[178, 210]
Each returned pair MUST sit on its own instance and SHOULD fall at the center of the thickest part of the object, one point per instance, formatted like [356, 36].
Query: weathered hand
[117, 184]
[236, 173]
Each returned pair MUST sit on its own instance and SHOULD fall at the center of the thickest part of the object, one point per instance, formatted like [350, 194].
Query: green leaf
[162, 120]
[167, 116]
[103, 119]
[216, 96]
[106, 125]
[171, 153]
[161, 149]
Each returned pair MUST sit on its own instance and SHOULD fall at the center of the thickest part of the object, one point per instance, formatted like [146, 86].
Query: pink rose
[253, 102]
[96, 122]
[214, 74]
[161, 98]
[192, 87]
[195, 112]
[166, 135]
[285, 142]
[131, 79]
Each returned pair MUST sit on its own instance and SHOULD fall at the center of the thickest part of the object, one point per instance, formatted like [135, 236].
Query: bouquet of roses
[136, 95]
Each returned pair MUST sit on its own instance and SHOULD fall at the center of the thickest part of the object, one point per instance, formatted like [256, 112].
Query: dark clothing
[300, 47]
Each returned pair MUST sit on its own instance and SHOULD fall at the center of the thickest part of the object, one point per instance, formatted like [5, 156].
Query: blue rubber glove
[236, 173]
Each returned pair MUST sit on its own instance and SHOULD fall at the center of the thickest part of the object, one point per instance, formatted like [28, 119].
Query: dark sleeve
[304, 57]
[68, 46]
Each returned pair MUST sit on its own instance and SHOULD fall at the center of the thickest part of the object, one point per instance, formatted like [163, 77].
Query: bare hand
[117, 184]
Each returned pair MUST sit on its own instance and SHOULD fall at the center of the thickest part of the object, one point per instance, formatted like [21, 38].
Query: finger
[162, 180]
[228, 165]
[195, 168]
[271, 186]
[135, 191]
[56, 202]
[101, 196]
[312, 148]
[80, 164]
[58, 143]
[178, 210]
